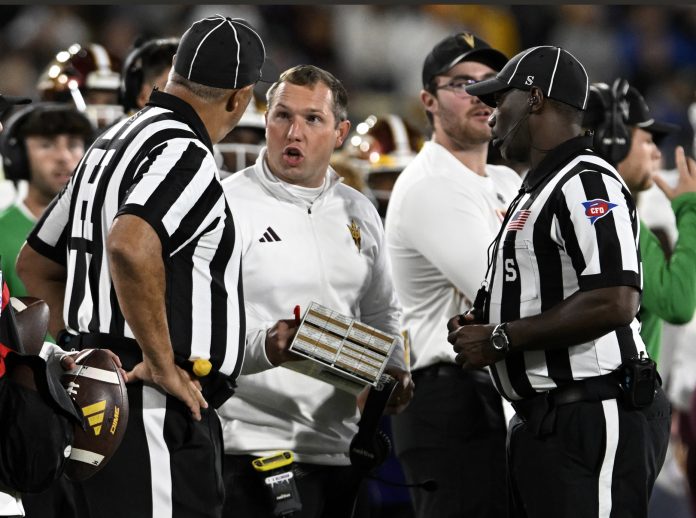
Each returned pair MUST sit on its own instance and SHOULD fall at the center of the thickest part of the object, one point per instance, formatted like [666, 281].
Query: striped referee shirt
[159, 166]
[574, 228]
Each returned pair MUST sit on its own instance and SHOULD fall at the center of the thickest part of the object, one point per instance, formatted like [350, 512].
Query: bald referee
[558, 326]
[138, 255]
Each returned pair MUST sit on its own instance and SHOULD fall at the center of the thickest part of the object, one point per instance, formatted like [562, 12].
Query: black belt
[539, 410]
[216, 386]
[448, 370]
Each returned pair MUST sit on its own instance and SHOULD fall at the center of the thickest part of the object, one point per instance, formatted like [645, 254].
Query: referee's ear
[239, 99]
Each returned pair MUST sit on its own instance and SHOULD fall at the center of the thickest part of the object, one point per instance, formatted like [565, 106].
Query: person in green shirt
[42, 144]
[627, 136]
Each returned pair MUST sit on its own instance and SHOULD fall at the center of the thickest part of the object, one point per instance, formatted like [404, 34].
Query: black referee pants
[168, 465]
[600, 461]
[453, 431]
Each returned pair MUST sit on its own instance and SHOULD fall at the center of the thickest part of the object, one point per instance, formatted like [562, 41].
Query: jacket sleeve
[255, 359]
[669, 285]
[379, 306]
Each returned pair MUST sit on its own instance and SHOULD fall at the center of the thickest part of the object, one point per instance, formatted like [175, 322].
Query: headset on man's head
[13, 149]
[132, 76]
[612, 137]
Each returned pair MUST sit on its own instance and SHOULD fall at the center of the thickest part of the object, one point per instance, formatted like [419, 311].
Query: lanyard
[480, 307]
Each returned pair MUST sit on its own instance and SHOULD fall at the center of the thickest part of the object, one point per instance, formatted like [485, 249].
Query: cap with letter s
[554, 70]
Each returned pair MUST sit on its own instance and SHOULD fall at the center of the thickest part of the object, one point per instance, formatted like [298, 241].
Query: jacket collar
[277, 189]
[183, 111]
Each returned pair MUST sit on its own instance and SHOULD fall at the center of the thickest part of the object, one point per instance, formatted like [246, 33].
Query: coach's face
[301, 133]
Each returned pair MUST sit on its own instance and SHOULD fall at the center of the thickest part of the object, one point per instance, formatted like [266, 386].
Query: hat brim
[269, 71]
[8, 101]
[660, 128]
[487, 56]
[486, 90]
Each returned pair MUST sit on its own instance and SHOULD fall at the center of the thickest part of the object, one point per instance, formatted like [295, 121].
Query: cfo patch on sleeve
[597, 209]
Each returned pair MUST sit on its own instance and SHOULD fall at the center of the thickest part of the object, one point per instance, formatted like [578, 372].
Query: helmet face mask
[87, 76]
[241, 147]
[381, 148]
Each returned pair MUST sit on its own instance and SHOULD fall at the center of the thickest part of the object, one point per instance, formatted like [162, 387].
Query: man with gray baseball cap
[556, 322]
[140, 249]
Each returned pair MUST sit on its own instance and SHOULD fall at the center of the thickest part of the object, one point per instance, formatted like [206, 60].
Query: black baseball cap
[454, 49]
[631, 106]
[639, 115]
[221, 52]
[8, 101]
[553, 69]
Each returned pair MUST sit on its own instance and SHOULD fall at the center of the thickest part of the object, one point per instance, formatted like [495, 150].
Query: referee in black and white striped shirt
[564, 290]
[138, 255]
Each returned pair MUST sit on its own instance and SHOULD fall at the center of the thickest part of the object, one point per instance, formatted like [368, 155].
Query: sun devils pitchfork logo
[354, 233]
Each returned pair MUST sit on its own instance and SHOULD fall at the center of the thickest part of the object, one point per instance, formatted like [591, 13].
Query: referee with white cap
[138, 255]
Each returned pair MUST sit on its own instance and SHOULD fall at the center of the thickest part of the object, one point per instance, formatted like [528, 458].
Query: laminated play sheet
[340, 350]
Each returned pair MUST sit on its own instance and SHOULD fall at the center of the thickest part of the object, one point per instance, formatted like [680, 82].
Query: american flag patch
[519, 219]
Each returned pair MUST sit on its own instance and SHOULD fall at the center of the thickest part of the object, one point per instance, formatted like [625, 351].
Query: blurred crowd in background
[377, 50]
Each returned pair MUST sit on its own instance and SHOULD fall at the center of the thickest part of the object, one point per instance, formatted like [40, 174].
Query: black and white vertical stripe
[156, 166]
[556, 252]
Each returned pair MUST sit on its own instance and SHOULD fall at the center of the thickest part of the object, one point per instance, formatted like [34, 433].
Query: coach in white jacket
[298, 227]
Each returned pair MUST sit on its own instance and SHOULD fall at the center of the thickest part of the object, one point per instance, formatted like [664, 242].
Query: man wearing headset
[42, 144]
[146, 66]
[627, 136]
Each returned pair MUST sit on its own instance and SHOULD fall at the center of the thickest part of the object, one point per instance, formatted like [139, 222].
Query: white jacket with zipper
[295, 253]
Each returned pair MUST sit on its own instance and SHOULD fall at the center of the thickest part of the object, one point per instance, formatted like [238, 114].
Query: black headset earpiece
[612, 139]
[132, 71]
[533, 100]
[371, 446]
[13, 149]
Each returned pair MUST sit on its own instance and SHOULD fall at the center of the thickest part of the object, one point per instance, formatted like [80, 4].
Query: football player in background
[87, 76]
[146, 67]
